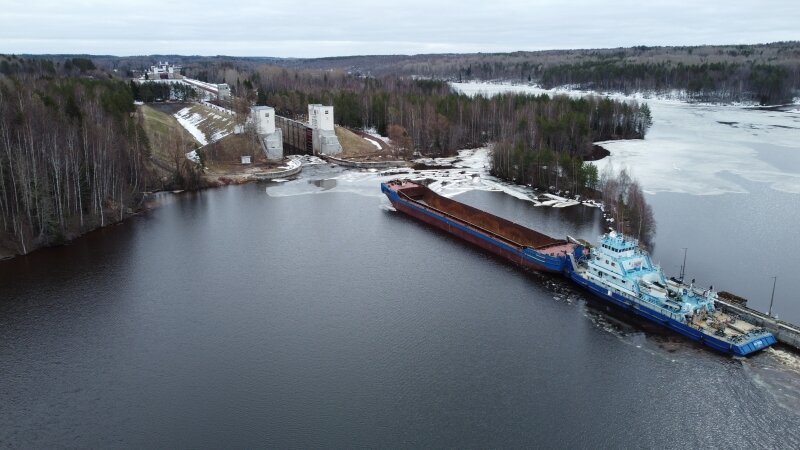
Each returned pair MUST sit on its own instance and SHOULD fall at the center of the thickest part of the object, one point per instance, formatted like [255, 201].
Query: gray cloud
[328, 28]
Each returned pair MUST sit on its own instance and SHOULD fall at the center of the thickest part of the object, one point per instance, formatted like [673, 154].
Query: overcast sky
[296, 28]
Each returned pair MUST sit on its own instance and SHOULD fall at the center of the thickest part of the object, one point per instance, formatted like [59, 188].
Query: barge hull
[552, 259]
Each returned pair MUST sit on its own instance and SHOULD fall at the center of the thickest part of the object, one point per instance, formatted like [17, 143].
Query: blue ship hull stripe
[552, 263]
[740, 349]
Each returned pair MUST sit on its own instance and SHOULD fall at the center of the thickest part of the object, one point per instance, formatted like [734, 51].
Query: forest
[717, 82]
[150, 91]
[73, 155]
[763, 73]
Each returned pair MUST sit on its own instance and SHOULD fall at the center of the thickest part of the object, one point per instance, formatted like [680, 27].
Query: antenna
[683, 266]
[772, 298]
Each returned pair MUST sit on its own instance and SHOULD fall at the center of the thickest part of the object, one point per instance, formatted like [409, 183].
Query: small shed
[247, 159]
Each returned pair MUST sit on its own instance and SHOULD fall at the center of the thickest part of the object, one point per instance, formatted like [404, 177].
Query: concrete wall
[293, 167]
[325, 142]
[367, 164]
[273, 145]
[784, 332]
[296, 136]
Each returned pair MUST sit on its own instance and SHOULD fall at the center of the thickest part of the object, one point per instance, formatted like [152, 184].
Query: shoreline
[295, 167]
[673, 95]
[291, 168]
[7, 254]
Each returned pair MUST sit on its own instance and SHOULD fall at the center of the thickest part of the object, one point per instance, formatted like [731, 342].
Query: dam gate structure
[297, 137]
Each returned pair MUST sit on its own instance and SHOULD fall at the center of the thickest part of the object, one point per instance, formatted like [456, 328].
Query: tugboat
[618, 271]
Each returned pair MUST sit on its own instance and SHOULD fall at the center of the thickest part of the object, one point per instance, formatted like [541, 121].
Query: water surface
[238, 317]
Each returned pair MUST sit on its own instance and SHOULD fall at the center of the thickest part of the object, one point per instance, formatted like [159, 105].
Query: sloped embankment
[206, 123]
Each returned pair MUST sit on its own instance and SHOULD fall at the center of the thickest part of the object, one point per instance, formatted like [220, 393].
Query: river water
[310, 314]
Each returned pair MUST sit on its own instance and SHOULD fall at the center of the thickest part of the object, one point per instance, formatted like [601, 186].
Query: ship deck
[557, 249]
[733, 326]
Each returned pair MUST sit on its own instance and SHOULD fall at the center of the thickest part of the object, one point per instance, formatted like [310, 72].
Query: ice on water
[468, 171]
[695, 148]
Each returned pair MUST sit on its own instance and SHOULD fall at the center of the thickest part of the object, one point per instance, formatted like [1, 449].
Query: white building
[323, 133]
[271, 139]
[223, 91]
[263, 118]
[164, 71]
[320, 117]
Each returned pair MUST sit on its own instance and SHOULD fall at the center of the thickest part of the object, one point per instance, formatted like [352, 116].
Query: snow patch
[468, 171]
[192, 122]
[189, 122]
[193, 156]
[374, 142]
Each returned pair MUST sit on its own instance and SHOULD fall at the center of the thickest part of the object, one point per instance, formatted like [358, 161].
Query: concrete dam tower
[271, 139]
[323, 135]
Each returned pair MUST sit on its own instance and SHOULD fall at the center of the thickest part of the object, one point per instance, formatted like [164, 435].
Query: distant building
[247, 159]
[323, 133]
[223, 91]
[164, 71]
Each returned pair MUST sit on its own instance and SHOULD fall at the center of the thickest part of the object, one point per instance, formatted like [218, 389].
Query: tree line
[152, 91]
[765, 73]
[72, 156]
[624, 199]
[720, 81]
[548, 143]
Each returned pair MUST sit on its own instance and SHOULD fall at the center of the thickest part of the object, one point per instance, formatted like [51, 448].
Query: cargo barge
[504, 238]
[616, 271]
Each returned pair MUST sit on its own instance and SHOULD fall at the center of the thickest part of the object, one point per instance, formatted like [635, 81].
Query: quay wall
[294, 169]
[366, 164]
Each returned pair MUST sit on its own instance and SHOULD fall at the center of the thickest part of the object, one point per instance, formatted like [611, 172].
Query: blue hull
[524, 256]
[738, 349]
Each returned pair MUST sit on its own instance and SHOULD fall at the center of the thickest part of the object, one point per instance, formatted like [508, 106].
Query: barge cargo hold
[512, 241]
